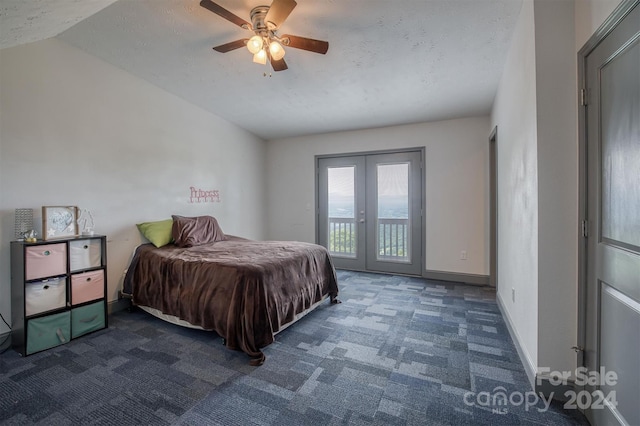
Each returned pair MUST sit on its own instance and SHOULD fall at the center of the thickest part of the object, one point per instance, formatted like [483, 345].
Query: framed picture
[59, 222]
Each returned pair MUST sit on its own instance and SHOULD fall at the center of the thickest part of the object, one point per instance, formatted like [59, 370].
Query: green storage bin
[47, 332]
[87, 319]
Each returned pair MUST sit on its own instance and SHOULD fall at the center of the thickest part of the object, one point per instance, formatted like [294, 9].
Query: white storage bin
[45, 295]
[85, 254]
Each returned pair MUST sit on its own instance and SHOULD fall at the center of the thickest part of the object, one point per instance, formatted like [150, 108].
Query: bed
[244, 290]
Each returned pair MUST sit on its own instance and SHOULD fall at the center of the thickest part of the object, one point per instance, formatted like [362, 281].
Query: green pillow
[158, 233]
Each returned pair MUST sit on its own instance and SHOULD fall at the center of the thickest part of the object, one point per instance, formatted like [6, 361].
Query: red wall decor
[204, 196]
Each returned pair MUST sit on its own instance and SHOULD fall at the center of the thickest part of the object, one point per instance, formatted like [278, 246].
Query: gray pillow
[195, 231]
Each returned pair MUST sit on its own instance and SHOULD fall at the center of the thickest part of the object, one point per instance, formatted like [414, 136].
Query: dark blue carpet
[397, 351]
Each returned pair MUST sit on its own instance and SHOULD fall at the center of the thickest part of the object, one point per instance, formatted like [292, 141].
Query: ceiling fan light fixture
[260, 57]
[255, 44]
[265, 22]
[276, 50]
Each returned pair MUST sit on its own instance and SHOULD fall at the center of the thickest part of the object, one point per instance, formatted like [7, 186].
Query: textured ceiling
[25, 21]
[389, 62]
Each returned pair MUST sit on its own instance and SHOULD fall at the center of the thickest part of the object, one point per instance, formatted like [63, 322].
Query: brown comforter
[244, 290]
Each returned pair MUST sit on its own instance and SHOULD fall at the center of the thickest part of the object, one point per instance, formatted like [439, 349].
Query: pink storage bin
[87, 286]
[45, 261]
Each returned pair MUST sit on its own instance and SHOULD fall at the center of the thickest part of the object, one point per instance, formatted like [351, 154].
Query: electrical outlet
[463, 255]
[513, 295]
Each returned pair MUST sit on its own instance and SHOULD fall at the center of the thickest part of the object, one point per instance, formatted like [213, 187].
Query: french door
[370, 211]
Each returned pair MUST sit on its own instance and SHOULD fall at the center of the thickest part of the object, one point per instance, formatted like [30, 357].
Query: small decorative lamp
[23, 222]
[85, 222]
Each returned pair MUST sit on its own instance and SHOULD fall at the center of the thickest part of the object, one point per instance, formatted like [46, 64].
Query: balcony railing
[342, 236]
[393, 238]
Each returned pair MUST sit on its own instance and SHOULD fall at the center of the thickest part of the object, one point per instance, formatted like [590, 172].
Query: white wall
[75, 130]
[456, 182]
[514, 112]
[589, 15]
[557, 109]
[536, 113]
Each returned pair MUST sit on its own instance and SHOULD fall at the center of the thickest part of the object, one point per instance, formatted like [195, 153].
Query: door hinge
[580, 354]
[585, 228]
[583, 97]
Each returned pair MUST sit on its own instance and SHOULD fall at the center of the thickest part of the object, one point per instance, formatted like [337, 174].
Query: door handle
[361, 221]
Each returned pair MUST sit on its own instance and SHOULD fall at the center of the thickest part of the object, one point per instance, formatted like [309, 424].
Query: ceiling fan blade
[219, 10]
[317, 46]
[233, 45]
[278, 12]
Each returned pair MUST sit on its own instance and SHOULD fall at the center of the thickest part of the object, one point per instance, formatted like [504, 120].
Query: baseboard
[437, 275]
[118, 305]
[457, 277]
[529, 367]
[545, 387]
[539, 383]
[5, 344]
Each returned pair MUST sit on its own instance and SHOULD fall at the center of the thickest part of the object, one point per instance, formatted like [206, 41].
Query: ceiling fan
[266, 43]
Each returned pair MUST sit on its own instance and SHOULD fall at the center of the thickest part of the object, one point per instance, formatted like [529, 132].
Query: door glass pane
[393, 212]
[620, 109]
[342, 220]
